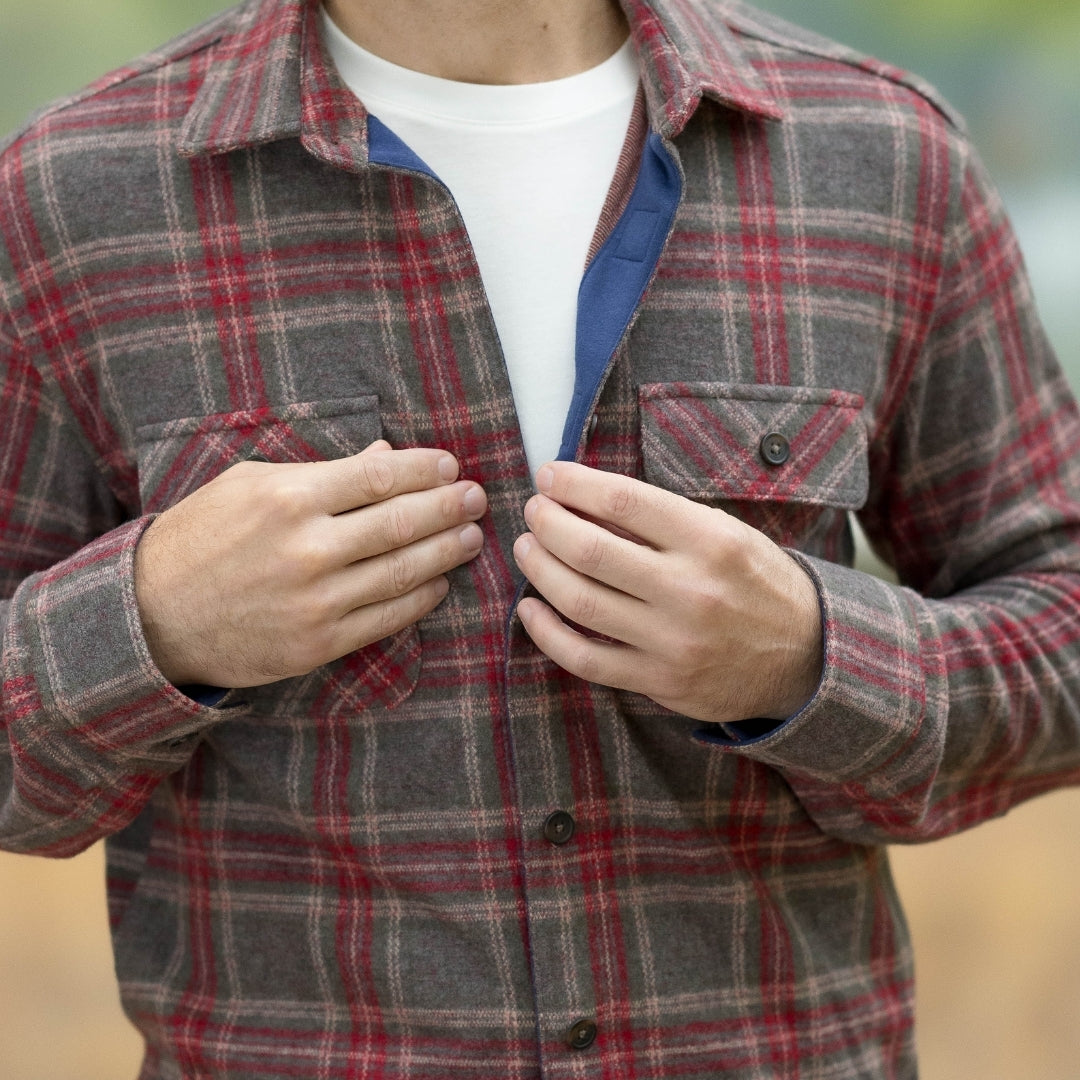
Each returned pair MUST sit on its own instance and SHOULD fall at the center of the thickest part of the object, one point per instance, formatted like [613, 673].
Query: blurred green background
[993, 912]
[1012, 67]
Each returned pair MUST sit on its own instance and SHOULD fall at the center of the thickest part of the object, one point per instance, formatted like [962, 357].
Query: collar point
[748, 100]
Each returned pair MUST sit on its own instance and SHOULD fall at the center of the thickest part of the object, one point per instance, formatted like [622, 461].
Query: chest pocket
[176, 457]
[789, 460]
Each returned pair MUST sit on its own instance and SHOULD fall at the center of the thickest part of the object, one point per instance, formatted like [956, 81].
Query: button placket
[560, 961]
[559, 827]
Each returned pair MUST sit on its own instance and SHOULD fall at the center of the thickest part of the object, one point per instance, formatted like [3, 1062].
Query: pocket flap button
[774, 449]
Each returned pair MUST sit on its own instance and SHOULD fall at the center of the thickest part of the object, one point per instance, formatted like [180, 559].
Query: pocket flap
[178, 456]
[717, 442]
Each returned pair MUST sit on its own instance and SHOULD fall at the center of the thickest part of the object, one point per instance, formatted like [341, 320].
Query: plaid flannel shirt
[215, 253]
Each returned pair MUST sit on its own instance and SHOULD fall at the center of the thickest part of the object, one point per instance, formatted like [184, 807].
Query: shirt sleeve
[88, 726]
[951, 697]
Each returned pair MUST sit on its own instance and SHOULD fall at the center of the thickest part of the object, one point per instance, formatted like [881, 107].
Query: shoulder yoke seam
[858, 61]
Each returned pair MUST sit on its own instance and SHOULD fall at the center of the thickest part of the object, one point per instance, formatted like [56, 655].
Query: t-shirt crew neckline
[375, 81]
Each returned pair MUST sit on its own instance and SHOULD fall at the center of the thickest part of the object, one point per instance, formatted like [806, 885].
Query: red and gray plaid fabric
[347, 875]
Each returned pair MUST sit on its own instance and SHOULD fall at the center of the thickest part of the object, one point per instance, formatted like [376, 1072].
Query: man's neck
[486, 41]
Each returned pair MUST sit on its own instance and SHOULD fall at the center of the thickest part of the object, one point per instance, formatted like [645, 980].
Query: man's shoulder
[148, 91]
[830, 70]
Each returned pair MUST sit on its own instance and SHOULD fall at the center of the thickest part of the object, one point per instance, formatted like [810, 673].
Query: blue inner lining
[386, 148]
[615, 280]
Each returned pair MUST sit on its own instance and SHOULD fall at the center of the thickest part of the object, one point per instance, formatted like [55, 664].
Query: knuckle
[375, 475]
[585, 606]
[239, 470]
[709, 601]
[594, 551]
[389, 619]
[696, 592]
[399, 525]
[585, 665]
[321, 608]
[623, 501]
[310, 557]
[696, 658]
[400, 574]
[287, 500]
[450, 507]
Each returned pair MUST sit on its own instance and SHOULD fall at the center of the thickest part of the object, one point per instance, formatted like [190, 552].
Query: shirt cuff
[880, 679]
[92, 666]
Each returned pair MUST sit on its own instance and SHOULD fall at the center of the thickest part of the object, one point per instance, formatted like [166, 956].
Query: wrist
[154, 616]
[803, 654]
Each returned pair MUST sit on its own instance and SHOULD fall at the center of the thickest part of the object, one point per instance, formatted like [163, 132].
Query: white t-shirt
[529, 167]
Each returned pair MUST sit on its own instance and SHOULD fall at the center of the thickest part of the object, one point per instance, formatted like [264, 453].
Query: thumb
[378, 444]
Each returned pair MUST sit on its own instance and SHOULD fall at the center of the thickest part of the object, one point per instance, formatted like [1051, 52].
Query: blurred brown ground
[995, 914]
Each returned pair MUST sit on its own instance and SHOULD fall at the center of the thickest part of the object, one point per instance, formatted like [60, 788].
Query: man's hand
[708, 616]
[271, 570]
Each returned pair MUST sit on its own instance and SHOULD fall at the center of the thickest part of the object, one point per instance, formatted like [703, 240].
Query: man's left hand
[698, 611]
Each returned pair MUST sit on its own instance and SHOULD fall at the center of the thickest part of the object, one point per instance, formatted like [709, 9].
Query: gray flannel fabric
[345, 874]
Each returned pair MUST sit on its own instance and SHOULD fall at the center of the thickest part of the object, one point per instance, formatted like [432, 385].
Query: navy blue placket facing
[616, 279]
[612, 286]
[386, 148]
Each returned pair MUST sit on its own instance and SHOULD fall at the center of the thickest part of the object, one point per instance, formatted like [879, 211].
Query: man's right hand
[271, 570]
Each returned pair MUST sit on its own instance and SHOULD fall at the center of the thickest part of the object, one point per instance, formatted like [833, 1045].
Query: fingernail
[530, 512]
[522, 546]
[472, 538]
[544, 478]
[442, 587]
[448, 468]
[474, 501]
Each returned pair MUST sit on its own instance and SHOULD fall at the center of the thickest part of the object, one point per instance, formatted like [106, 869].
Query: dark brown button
[559, 827]
[774, 449]
[582, 1035]
[593, 421]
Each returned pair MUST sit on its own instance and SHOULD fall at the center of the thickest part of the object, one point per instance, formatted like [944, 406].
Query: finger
[577, 597]
[654, 515]
[593, 549]
[396, 573]
[376, 474]
[402, 520]
[594, 661]
[254, 463]
[373, 622]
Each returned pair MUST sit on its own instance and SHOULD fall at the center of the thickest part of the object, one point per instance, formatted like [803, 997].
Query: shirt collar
[687, 51]
[269, 78]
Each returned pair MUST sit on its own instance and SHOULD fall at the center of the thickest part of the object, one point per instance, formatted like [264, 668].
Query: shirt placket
[575, 944]
[578, 950]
